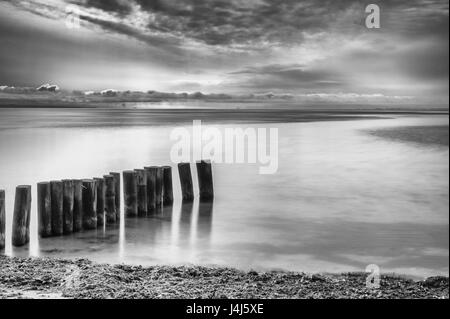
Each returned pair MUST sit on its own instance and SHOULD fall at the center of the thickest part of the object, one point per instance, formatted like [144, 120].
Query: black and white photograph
[241, 150]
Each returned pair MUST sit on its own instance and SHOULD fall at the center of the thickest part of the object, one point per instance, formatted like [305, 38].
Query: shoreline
[81, 278]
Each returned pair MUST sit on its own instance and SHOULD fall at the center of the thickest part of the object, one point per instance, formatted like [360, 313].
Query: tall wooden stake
[205, 180]
[130, 193]
[44, 209]
[22, 215]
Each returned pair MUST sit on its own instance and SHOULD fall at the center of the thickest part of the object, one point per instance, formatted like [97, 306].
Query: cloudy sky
[232, 46]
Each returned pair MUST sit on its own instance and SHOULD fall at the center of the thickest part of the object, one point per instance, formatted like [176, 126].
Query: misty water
[347, 193]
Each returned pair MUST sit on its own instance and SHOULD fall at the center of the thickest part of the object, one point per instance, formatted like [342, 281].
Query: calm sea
[347, 193]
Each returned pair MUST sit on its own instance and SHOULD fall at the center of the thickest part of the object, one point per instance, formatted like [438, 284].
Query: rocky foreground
[58, 278]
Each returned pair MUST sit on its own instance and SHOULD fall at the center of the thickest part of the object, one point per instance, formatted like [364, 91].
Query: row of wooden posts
[69, 205]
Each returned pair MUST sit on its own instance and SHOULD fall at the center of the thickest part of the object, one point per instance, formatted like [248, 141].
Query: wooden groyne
[150, 174]
[167, 186]
[141, 186]
[56, 189]
[89, 204]
[100, 207]
[44, 209]
[77, 205]
[159, 187]
[118, 193]
[130, 194]
[187, 190]
[22, 215]
[72, 205]
[205, 180]
[67, 206]
[110, 199]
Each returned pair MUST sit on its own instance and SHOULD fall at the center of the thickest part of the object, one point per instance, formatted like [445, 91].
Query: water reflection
[185, 223]
[204, 221]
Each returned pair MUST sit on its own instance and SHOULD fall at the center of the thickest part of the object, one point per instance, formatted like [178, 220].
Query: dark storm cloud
[225, 22]
[169, 43]
[266, 22]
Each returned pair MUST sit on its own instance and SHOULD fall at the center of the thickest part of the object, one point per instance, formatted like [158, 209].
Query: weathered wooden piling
[159, 186]
[130, 193]
[150, 173]
[205, 180]
[22, 214]
[77, 205]
[68, 205]
[44, 209]
[100, 184]
[167, 185]
[2, 219]
[187, 190]
[110, 199]
[141, 181]
[89, 204]
[56, 188]
[117, 190]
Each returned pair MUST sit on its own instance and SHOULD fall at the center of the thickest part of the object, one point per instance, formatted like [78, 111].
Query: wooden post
[22, 209]
[205, 180]
[77, 205]
[110, 199]
[130, 193]
[68, 205]
[56, 188]
[44, 209]
[118, 193]
[159, 186]
[150, 173]
[2, 219]
[89, 203]
[100, 184]
[141, 181]
[167, 184]
[187, 190]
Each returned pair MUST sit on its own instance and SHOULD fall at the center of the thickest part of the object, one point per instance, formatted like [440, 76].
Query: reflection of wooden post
[130, 193]
[89, 203]
[56, 188]
[150, 173]
[187, 191]
[2, 219]
[110, 199]
[141, 181]
[167, 184]
[77, 205]
[100, 184]
[44, 209]
[118, 193]
[205, 180]
[22, 212]
[68, 206]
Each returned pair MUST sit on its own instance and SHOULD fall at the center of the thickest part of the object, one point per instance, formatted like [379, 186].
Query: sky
[299, 47]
